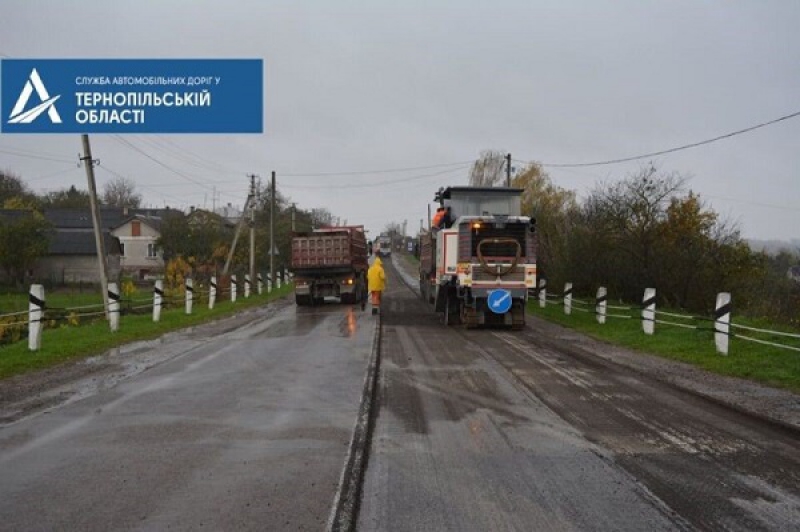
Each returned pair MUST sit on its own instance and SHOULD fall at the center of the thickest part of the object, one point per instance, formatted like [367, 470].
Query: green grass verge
[761, 363]
[18, 301]
[71, 342]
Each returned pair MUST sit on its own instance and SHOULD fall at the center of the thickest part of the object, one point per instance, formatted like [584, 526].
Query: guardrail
[39, 315]
[720, 323]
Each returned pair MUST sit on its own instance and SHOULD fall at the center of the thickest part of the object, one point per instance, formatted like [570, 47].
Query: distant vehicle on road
[384, 246]
[329, 262]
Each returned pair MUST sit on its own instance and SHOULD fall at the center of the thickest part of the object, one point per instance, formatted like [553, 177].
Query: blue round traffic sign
[499, 301]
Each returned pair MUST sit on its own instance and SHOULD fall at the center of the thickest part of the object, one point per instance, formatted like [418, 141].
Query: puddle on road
[300, 325]
[348, 325]
[308, 318]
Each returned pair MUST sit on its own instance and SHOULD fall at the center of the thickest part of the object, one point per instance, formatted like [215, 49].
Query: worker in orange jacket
[376, 283]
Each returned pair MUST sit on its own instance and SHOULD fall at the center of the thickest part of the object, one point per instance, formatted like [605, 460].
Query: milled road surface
[503, 430]
[245, 429]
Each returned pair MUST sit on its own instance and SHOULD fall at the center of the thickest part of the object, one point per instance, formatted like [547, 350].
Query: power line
[166, 166]
[207, 162]
[119, 175]
[377, 183]
[161, 145]
[754, 203]
[368, 172]
[48, 176]
[670, 150]
[34, 155]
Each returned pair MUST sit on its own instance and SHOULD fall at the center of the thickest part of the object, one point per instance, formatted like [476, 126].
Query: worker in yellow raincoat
[376, 282]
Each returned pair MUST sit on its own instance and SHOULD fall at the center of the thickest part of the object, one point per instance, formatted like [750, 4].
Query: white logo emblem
[48, 104]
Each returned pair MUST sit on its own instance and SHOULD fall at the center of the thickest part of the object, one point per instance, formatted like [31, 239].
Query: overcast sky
[361, 86]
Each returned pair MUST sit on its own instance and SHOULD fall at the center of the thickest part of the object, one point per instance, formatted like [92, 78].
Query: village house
[138, 235]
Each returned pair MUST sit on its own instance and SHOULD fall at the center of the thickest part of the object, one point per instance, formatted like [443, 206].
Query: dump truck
[329, 262]
[477, 265]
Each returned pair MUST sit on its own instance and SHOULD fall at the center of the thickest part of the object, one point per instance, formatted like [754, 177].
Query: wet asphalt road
[501, 430]
[246, 430]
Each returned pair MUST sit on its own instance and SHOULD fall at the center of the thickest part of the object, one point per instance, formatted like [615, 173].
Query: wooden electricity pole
[272, 275]
[89, 163]
[252, 227]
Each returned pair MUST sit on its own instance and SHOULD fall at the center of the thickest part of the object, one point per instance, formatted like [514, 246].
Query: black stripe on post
[248, 281]
[189, 288]
[647, 302]
[568, 292]
[214, 285]
[113, 296]
[158, 292]
[36, 301]
[721, 311]
[602, 299]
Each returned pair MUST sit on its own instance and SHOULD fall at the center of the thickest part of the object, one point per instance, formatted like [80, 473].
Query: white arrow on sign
[499, 301]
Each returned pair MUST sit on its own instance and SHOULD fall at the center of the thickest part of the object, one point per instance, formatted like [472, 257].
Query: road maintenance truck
[477, 266]
[329, 262]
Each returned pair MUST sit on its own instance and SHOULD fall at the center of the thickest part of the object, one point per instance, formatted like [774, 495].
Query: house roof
[152, 221]
[81, 243]
[81, 218]
[110, 217]
[12, 215]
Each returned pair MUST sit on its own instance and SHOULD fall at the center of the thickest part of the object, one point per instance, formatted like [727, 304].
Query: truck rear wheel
[452, 311]
[302, 301]
[518, 316]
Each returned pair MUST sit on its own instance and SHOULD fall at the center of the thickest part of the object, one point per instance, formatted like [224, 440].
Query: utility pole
[508, 170]
[294, 221]
[239, 227]
[252, 227]
[272, 276]
[98, 229]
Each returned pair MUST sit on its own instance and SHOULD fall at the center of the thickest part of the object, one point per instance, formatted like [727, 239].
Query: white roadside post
[158, 300]
[212, 292]
[278, 282]
[722, 322]
[35, 316]
[233, 288]
[649, 310]
[601, 305]
[260, 284]
[113, 306]
[542, 293]
[568, 298]
[247, 282]
[269, 284]
[189, 286]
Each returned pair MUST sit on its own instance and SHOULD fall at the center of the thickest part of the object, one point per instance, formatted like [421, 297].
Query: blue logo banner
[131, 95]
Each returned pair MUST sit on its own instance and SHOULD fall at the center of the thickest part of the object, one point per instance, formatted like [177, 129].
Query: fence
[720, 323]
[15, 325]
